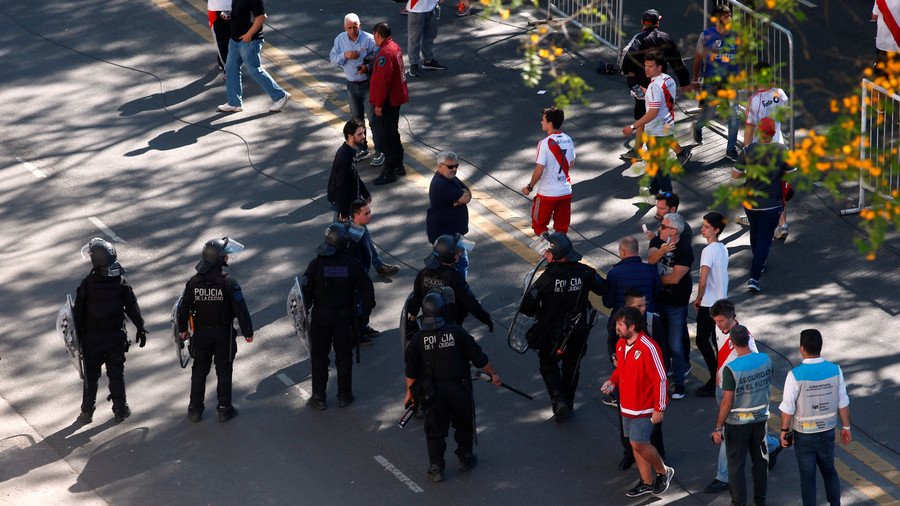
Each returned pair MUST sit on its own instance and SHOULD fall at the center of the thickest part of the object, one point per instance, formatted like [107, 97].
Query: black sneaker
[753, 286]
[684, 157]
[610, 400]
[226, 414]
[361, 155]
[698, 133]
[629, 155]
[370, 332]
[317, 402]
[433, 65]
[414, 70]
[86, 416]
[467, 462]
[194, 415]
[661, 483]
[640, 489]
[345, 400]
[436, 473]
[773, 456]
[365, 341]
[562, 412]
[386, 177]
[120, 414]
[377, 160]
[387, 270]
[715, 487]
[732, 155]
[400, 171]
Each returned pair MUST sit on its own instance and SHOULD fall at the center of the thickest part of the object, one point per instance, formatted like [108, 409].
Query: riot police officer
[438, 375]
[331, 285]
[559, 300]
[440, 270]
[102, 301]
[214, 300]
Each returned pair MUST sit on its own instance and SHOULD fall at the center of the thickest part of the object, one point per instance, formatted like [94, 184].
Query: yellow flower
[534, 39]
[870, 256]
[557, 51]
[543, 53]
[504, 13]
[770, 4]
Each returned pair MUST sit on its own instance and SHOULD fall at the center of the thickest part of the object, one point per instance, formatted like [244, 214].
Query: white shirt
[790, 393]
[763, 104]
[218, 5]
[661, 95]
[884, 39]
[727, 352]
[554, 181]
[715, 256]
[421, 5]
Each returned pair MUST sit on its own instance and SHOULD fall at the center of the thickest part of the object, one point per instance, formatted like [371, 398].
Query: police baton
[487, 377]
[410, 409]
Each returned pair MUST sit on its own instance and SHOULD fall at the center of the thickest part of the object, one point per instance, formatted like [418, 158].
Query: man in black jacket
[102, 301]
[650, 38]
[559, 300]
[214, 300]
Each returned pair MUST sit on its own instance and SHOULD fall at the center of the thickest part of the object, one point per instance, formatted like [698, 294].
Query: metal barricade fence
[776, 48]
[608, 32]
[879, 137]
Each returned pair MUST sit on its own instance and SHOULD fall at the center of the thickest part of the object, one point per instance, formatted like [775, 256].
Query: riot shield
[297, 313]
[407, 328]
[520, 322]
[65, 329]
[182, 347]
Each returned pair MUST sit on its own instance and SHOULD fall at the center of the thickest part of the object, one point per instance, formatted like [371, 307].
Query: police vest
[212, 306]
[438, 278]
[752, 378]
[105, 302]
[817, 404]
[334, 285]
[442, 353]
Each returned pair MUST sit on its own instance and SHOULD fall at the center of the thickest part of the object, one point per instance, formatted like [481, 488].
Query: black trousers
[656, 439]
[561, 373]
[217, 347]
[388, 125]
[113, 356]
[706, 340]
[452, 405]
[323, 337]
[739, 440]
[221, 30]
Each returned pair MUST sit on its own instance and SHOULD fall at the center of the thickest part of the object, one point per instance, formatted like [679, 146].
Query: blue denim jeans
[422, 28]
[674, 318]
[762, 232]
[707, 112]
[358, 98]
[247, 53]
[817, 450]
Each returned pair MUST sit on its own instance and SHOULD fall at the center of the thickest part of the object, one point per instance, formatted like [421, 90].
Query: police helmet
[434, 309]
[103, 257]
[561, 248]
[336, 239]
[215, 251]
[445, 249]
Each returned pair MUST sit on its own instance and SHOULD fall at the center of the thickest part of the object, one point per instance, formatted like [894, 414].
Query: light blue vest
[817, 403]
[752, 378]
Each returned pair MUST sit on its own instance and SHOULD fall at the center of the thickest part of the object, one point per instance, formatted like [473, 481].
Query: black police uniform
[558, 294]
[330, 285]
[446, 275]
[214, 300]
[101, 304]
[439, 358]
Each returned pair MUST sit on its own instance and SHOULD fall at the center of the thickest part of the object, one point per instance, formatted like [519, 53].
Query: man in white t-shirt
[713, 286]
[659, 122]
[887, 40]
[725, 317]
[554, 161]
[769, 101]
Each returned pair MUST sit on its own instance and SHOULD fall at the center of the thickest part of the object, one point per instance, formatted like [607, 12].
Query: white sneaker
[230, 108]
[279, 104]
[782, 232]
[744, 221]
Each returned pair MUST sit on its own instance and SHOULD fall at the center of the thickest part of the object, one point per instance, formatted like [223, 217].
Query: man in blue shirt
[447, 199]
[354, 51]
[716, 52]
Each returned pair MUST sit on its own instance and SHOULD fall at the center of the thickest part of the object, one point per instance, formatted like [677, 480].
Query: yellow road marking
[282, 60]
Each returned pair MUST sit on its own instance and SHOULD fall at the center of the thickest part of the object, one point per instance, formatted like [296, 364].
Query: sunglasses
[451, 167]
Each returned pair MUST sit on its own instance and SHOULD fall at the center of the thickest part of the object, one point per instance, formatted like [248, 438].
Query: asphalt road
[111, 130]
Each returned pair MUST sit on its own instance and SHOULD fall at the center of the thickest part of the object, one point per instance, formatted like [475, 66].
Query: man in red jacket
[641, 379]
[387, 92]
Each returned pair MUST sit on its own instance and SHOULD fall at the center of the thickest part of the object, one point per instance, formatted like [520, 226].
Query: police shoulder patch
[381, 61]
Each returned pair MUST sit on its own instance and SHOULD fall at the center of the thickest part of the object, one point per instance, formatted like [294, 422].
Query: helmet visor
[540, 245]
[466, 244]
[232, 248]
[86, 249]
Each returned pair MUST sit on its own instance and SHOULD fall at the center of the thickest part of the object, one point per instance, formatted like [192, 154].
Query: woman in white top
[712, 287]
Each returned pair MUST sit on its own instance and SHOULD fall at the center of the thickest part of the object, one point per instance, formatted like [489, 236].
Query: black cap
[651, 17]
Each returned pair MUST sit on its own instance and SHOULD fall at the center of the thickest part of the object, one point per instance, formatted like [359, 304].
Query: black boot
[121, 413]
[226, 414]
[387, 176]
[87, 415]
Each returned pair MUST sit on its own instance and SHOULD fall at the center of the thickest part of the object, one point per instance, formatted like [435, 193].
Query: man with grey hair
[447, 199]
[354, 51]
[674, 270]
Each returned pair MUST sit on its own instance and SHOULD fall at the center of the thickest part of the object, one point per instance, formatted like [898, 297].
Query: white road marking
[30, 166]
[398, 474]
[290, 383]
[106, 230]
[807, 3]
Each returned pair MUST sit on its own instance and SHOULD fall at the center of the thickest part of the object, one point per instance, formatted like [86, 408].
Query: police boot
[121, 413]
[194, 414]
[317, 402]
[345, 400]
[467, 462]
[436, 473]
[226, 414]
[87, 415]
[387, 176]
[561, 410]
